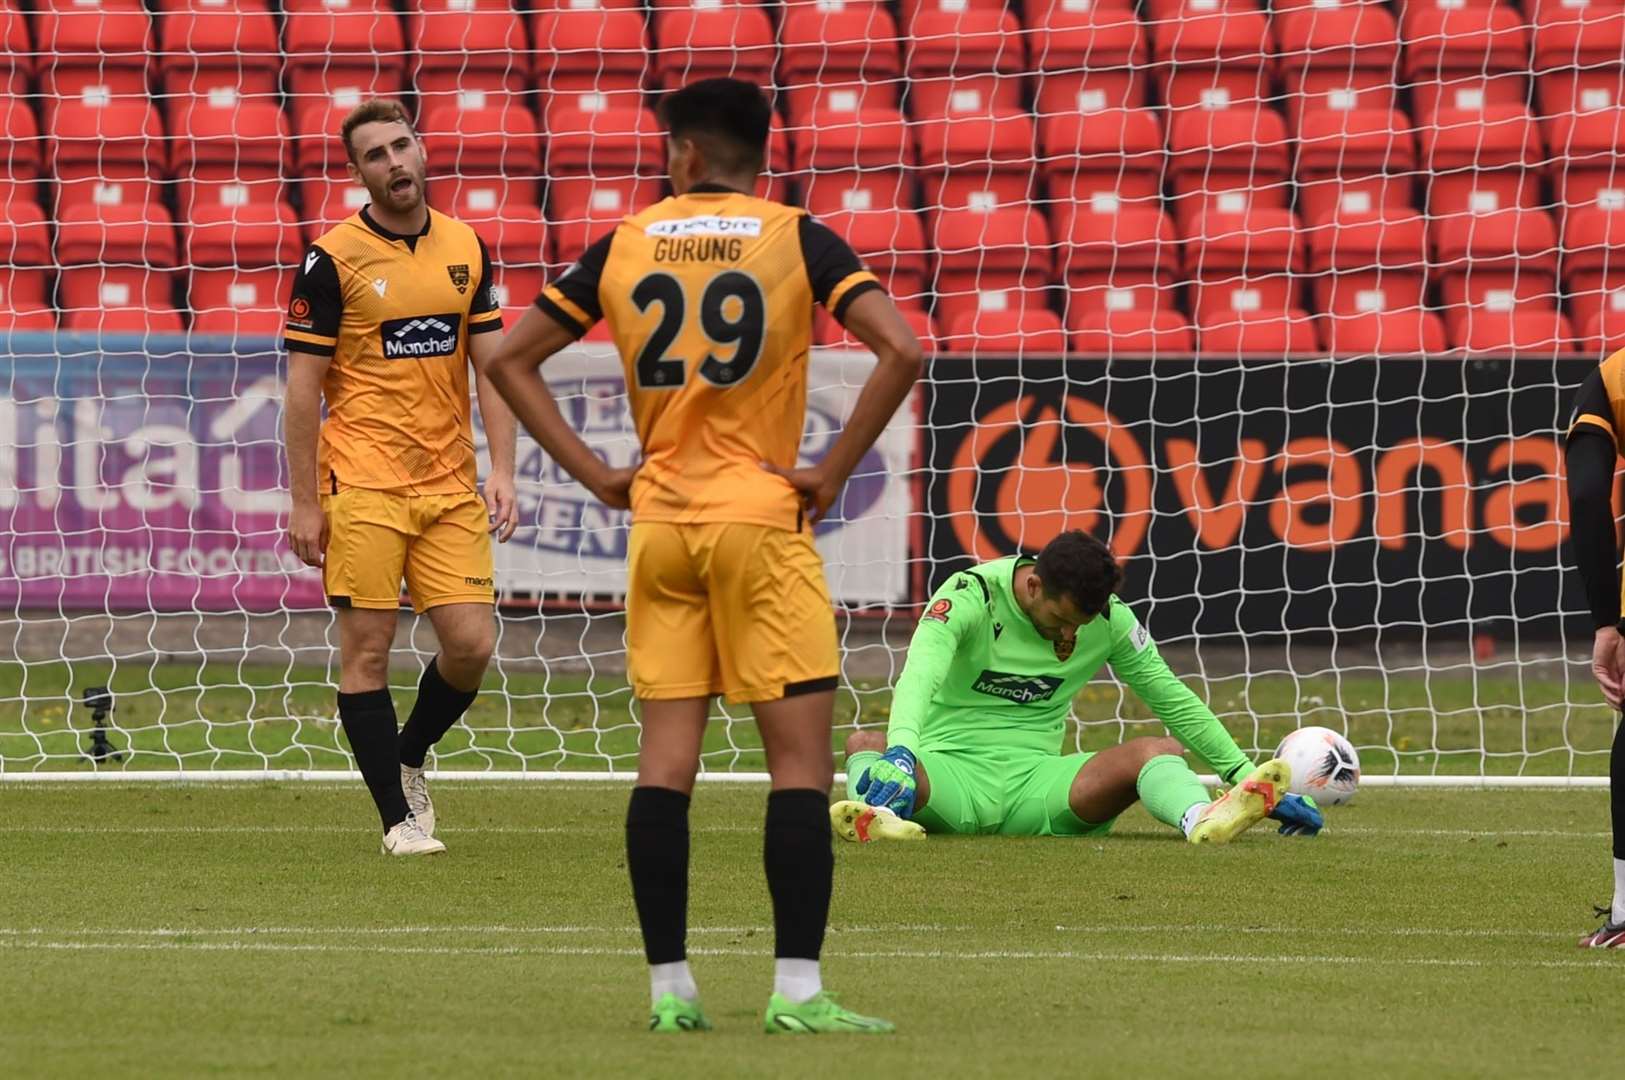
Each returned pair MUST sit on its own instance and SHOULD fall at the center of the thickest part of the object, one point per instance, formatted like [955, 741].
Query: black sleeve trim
[316, 302]
[485, 327]
[290, 345]
[852, 294]
[830, 260]
[559, 315]
[579, 285]
[485, 297]
[1590, 460]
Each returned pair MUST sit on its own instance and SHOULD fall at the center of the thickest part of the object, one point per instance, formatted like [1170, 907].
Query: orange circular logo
[299, 308]
[1029, 471]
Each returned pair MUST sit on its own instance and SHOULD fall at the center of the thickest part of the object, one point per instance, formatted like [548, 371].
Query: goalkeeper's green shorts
[1014, 794]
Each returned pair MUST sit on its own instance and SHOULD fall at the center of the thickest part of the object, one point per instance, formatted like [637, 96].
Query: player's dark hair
[1078, 565]
[373, 111]
[728, 118]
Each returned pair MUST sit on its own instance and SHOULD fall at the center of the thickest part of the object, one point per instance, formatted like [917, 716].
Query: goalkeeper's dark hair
[1078, 565]
[728, 118]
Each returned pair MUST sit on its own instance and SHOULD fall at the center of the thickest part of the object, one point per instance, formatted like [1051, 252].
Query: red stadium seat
[1230, 160]
[345, 51]
[245, 236]
[913, 9]
[589, 152]
[516, 237]
[1497, 261]
[702, 43]
[1089, 57]
[1135, 332]
[117, 264]
[1384, 333]
[1604, 334]
[1255, 333]
[855, 161]
[470, 143]
[1354, 162]
[1368, 263]
[232, 156]
[1594, 261]
[1479, 52]
[95, 50]
[1580, 59]
[1102, 160]
[829, 333]
[1586, 154]
[1337, 59]
[892, 245]
[1522, 332]
[1480, 162]
[16, 54]
[1118, 262]
[977, 161]
[22, 148]
[318, 148]
[242, 259]
[228, 50]
[598, 53]
[1209, 57]
[1028, 331]
[25, 250]
[986, 261]
[851, 51]
[467, 53]
[573, 230]
[111, 154]
[963, 62]
[1243, 263]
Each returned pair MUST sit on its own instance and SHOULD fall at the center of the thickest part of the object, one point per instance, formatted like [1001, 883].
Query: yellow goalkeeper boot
[1244, 805]
[861, 823]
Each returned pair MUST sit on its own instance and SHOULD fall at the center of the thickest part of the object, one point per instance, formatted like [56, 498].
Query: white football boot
[416, 787]
[408, 838]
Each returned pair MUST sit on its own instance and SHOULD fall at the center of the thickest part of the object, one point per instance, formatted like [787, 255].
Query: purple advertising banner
[143, 474]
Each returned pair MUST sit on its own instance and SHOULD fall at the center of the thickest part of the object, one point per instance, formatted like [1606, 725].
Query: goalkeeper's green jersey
[980, 677]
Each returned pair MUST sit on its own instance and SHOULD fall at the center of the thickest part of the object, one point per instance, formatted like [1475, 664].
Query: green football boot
[1244, 805]
[672, 1014]
[820, 1014]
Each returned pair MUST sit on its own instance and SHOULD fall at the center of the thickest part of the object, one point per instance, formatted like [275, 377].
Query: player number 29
[743, 328]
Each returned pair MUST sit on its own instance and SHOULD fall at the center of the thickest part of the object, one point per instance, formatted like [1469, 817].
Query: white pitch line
[1601, 964]
[903, 928]
[1358, 830]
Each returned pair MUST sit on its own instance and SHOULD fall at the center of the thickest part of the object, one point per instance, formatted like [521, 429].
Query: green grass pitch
[253, 929]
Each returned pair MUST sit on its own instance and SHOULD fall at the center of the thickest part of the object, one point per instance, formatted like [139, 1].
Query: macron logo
[310, 261]
[706, 225]
[379, 285]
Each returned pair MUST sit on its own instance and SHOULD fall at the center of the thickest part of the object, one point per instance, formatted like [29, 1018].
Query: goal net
[1286, 300]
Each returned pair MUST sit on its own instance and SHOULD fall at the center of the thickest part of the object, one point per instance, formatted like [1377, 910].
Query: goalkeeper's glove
[889, 782]
[1298, 815]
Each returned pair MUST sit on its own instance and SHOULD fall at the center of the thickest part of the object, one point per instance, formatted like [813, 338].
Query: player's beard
[402, 199]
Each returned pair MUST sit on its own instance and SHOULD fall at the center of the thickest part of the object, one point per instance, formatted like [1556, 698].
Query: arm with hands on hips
[501, 438]
[301, 428]
[873, 319]
[515, 372]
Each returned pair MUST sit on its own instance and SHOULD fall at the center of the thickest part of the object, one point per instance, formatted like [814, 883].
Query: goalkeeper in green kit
[980, 710]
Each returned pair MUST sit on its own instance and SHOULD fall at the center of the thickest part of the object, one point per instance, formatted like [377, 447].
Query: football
[1324, 765]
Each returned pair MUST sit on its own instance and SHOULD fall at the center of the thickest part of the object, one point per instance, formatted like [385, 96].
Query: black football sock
[657, 856]
[369, 724]
[439, 705]
[800, 862]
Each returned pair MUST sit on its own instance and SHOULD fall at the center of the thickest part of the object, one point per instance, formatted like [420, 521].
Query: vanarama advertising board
[1269, 497]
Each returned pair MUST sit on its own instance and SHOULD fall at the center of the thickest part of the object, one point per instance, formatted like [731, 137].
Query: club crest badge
[1063, 649]
[459, 276]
